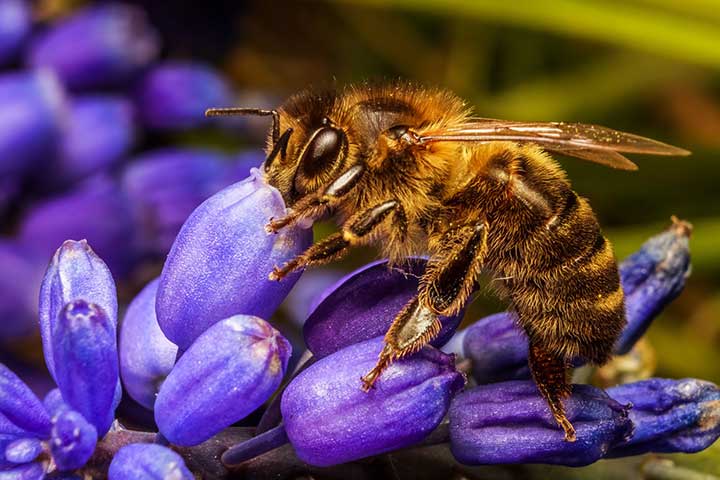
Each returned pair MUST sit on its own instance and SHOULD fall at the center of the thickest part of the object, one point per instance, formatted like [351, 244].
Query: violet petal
[219, 264]
[20, 406]
[229, 371]
[329, 419]
[143, 461]
[73, 440]
[363, 304]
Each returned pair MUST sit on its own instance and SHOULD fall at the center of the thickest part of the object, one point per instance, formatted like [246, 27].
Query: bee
[412, 171]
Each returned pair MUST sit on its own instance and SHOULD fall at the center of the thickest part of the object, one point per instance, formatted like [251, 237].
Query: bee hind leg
[354, 232]
[444, 288]
[550, 372]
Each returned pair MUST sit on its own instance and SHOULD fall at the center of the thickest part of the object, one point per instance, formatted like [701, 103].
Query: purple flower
[75, 272]
[509, 422]
[175, 95]
[146, 355]
[329, 419]
[19, 285]
[20, 407]
[363, 304]
[98, 46]
[100, 132]
[31, 116]
[220, 261]
[15, 23]
[24, 450]
[165, 186]
[86, 361]
[141, 461]
[73, 440]
[96, 210]
[229, 371]
[652, 277]
[669, 416]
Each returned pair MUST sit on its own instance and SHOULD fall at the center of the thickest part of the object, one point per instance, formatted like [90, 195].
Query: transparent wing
[589, 142]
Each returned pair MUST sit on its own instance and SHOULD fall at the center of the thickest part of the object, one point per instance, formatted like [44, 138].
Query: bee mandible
[412, 171]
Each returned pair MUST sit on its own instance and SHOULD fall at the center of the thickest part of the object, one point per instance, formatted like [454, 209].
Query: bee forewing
[589, 142]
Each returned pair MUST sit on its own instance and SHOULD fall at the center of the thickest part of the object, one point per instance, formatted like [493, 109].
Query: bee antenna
[279, 147]
[231, 111]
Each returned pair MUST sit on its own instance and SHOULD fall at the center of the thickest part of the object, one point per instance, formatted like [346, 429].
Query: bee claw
[275, 275]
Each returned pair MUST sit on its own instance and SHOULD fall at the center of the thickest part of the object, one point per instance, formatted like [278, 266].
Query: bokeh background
[650, 67]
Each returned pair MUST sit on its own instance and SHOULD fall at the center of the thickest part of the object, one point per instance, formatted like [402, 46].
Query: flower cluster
[194, 348]
[80, 97]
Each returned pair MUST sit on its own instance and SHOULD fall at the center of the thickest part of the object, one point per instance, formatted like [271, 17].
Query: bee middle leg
[353, 232]
[445, 286]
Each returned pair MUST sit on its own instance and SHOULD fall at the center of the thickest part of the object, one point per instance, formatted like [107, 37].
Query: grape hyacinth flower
[99, 46]
[651, 278]
[175, 95]
[148, 462]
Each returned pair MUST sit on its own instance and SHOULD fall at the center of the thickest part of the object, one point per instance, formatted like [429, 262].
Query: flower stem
[270, 440]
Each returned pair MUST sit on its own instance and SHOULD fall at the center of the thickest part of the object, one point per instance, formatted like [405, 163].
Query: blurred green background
[650, 67]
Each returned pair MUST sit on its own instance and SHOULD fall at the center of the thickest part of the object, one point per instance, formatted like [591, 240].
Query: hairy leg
[444, 288]
[354, 232]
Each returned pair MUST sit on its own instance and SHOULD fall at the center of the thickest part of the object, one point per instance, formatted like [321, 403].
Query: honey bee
[412, 171]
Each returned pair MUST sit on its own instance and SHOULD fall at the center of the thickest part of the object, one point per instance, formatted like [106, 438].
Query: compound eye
[323, 150]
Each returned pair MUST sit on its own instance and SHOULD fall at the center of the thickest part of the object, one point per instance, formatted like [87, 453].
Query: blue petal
[229, 371]
[100, 132]
[74, 272]
[98, 46]
[363, 304]
[329, 419]
[31, 118]
[23, 450]
[86, 362]
[166, 185]
[509, 422]
[175, 95]
[73, 440]
[146, 355]
[220, 261]
[15, 23]
[143, 461]
[20, 406]
[669, 415]
[29, 471]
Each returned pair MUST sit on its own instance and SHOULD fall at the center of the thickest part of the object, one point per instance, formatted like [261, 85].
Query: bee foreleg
[412, 328]
[452, 272]
[550, 372]
[353, 232]
[313, 206]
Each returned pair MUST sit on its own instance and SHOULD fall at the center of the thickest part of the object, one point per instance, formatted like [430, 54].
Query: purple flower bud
[75, 272]
[73, 440]
[220, 261]
[19, 283]
[102, 45]
[498, 349]
[669, 415]
[54, 403]
[15, 23]
[29, 471]
[20, 406]
[509, 422]
[229, 371]
[363, 304]
[96, 210]
[100, 132]
[165, 186]
[23, 451]
[175, 95]
[653, 277]
[329, 419]
[144, 461]
[31, 115]
[146, 355]
[86, 363]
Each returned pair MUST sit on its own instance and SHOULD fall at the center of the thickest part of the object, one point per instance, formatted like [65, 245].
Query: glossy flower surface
[329, 419]
[220, 261]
